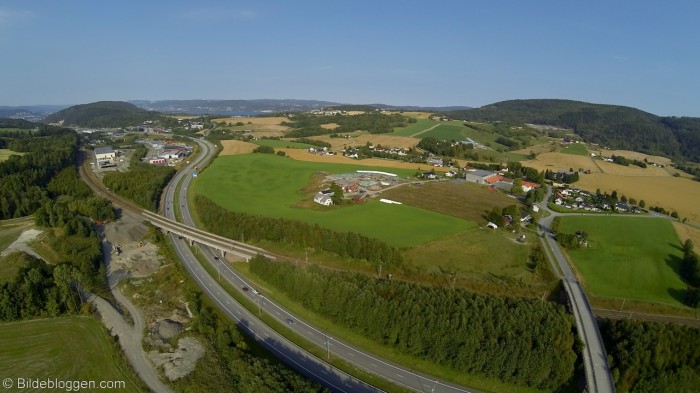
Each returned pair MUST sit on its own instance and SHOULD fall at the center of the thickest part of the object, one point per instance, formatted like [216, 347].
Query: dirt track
[130, 337]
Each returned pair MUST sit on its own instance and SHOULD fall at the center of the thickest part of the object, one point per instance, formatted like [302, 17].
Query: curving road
[311, 366]
[595, 359]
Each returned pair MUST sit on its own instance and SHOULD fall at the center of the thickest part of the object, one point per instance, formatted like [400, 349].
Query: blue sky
[634, 53]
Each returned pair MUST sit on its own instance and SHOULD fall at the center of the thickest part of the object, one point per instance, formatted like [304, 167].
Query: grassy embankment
[64, 348]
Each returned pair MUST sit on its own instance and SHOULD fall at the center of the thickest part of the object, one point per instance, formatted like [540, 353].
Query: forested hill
[103, 114]
[610, 125]
[16, 123]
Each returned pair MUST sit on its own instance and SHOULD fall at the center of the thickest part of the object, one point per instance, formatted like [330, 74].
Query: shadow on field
[674, 262]
[677, 246]
[678, 294]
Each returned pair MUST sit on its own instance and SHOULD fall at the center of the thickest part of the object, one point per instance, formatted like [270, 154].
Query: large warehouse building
[104, 156]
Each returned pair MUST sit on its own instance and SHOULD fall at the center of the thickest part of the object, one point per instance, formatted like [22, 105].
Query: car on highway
[290, 321]
[245, 289]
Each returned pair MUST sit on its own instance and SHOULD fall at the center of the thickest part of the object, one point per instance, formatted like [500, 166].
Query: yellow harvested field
[632, 155]
[417, 115]
[303, 155]
[261, 126]
[330, 126]
[686, 232]
[359, 139]
[631, 170]
[232, 147]
[671, 193]
[561, 161]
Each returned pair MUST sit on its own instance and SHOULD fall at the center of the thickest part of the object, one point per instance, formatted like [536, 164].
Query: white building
[104, 154]
[323, 199]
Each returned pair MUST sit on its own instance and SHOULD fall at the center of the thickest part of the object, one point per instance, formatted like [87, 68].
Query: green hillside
[103, 114]
[614, 126]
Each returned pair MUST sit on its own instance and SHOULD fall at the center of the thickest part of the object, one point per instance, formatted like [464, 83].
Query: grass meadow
[629, 258]
[282, 144]
[65, 348]
[6, 153]
[270, 185]
[414, 128]
[578, 149]
[446, 132]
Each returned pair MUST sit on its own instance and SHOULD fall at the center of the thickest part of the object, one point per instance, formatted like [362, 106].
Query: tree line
[67, 206]
[249, 372]
[305, 125]
[690, 272]
[518, 341]
[143, 183]
[236, 225]
[652, 357]
[40, 290]
[23, 178]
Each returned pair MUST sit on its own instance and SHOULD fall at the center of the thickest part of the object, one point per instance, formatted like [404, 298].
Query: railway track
[192, 233]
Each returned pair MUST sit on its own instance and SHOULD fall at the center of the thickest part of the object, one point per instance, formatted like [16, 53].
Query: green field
[578, 149]
[6, 153]
[282, 144]
[446, 132]
[629, 258]
[420, 125]
[65, 348]
[270, 185]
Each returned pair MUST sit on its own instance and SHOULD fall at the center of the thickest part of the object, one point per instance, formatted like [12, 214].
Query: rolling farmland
[273, 184]
[632, 258]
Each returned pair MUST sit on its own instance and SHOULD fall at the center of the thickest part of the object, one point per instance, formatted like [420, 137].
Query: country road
[598, 373]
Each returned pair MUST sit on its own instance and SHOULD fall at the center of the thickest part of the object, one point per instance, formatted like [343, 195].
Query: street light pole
[328, 348]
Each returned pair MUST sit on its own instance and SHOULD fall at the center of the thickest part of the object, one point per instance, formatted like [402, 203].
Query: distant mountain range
[256, 107]
[230, 107]
[211, 107]
[609, 125]
[29, 112]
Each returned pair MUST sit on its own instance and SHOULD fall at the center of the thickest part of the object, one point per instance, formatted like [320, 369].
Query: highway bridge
[223, 245]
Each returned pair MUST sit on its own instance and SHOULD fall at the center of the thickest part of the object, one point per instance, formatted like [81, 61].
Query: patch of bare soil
[21, 243]
[181, 361]
[129, 252]
[124, 231]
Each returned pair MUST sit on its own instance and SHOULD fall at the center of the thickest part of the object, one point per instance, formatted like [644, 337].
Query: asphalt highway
[598, 374]
[296, 357]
